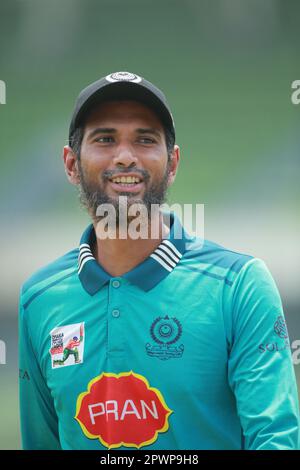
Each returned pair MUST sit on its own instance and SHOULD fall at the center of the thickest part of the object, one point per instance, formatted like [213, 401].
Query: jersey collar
[147, 274]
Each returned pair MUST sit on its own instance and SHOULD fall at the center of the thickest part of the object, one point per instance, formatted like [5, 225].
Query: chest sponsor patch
[67, 345]
[122, 410]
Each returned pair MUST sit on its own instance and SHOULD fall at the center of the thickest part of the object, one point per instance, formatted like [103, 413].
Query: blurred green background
[226, 67]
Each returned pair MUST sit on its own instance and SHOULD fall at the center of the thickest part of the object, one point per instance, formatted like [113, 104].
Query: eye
[104, 140]
[146, 140]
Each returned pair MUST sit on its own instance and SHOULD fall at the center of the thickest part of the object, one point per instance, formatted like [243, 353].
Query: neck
[120, 255]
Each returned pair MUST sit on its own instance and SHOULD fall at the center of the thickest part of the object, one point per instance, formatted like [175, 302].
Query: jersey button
[116, 313]
[116, 284]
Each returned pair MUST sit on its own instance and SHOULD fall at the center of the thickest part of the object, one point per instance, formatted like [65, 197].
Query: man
[183, 342]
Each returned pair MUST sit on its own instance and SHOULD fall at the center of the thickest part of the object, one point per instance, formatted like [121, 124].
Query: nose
[125, 156]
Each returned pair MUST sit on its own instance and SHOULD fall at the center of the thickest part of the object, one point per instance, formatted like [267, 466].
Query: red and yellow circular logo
[122, 410]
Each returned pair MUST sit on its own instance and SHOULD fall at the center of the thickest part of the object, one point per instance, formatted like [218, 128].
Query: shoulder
[224, 264]
[207, 252]
[51, 273]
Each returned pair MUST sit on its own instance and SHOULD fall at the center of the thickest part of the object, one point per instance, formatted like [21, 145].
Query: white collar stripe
[169, 252]
[85, 260]
[166, 254]
[83, 256]
[85, 250]
[84, 253]
[160, 261]
[80, 261]
[84, 247]
[172, 247]
[165, 257]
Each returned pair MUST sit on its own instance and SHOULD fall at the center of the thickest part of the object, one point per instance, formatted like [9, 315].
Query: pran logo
[122, 410]
[2, 92]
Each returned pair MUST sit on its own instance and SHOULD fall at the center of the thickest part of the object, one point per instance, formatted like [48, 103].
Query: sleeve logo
[277, 345]
[280, 327]
[67, 345]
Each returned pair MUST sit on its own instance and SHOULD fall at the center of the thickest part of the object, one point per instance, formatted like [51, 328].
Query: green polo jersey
[188, 350]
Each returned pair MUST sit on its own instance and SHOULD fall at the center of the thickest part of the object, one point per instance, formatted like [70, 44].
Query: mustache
[108, 174]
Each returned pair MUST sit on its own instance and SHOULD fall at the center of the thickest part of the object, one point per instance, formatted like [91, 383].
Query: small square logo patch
[67, 345]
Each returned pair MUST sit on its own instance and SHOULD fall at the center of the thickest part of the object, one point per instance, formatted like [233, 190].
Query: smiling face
[123, 153]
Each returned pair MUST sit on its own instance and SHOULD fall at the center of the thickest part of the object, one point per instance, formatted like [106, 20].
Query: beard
[92, 195]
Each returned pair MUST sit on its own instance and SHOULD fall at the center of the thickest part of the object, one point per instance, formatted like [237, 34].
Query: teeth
[126, 179]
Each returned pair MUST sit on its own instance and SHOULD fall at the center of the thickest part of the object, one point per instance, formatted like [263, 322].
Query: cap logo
[123, 77]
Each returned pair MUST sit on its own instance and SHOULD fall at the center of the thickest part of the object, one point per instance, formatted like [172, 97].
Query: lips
[129, 183]
[126, 187]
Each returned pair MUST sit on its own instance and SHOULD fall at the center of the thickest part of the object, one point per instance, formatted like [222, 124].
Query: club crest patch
[165, 332]
[67, 345]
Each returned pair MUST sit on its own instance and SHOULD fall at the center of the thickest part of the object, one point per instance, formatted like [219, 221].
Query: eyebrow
[149, 130]
[111, 130]
[102, 130]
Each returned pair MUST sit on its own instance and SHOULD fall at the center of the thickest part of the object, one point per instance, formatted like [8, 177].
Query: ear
[174, 162]
[71, 165]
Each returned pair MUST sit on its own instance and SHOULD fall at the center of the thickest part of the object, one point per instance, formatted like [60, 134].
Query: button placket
[115, 318]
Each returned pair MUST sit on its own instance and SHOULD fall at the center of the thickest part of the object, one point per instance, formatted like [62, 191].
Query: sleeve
[260, 369]
[39, 424]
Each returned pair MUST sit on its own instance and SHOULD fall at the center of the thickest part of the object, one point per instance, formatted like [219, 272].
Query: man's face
[123, 153]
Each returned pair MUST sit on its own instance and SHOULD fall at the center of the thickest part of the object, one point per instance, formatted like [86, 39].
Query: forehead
[122, 112]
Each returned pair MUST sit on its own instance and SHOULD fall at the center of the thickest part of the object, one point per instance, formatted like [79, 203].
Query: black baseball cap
[122, 85]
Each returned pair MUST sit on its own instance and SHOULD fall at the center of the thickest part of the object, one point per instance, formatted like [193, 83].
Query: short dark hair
[77, 137]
